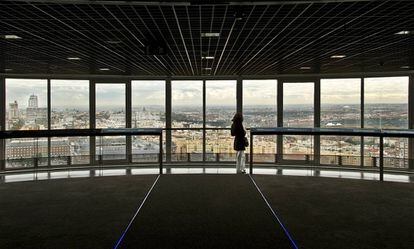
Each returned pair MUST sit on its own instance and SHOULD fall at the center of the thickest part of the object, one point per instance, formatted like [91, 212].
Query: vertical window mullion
[279, 146]
[92, 119]
[204, 120]
[362, 119]
[168, 109]
[411, 120]
[2, 121]
[317, 120]
[128, 119]
[49, 113]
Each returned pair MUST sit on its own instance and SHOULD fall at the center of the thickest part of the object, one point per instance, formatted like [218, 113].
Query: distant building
[14, 110]
[33, 102]
[34, 114]
[27, 148]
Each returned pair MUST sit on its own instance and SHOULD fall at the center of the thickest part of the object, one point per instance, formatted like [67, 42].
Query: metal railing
[381, 134]
[39, 161]
[129, 158]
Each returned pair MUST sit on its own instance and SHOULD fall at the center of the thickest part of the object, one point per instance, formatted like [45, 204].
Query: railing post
[69, 160]
[340, 160]
[217, 157]
[35, 162]
[160, 154]
[374, 161]
[188, 157]
[251, 152]
[381, 158]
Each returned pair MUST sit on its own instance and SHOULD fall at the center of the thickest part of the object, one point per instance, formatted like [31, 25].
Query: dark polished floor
[206, 211]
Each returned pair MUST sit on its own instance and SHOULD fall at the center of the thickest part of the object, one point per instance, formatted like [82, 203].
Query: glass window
[187, 112]
[148, 111]
[187, 145]
[260, 110]
[187, 104]
[220, 102]
[26, 104]
[386, 107]
[69, 104]
[341, 103]
[26, 152]
[148, 104]
[386, 103]
[110, 113]
[260, 103]
[340, 150]
[220, 109]
[69, 110]
[298, 111]
[340, 108]
[26, 109]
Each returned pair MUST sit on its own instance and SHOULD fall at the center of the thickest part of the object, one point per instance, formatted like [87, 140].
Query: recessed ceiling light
[207, 57]
[403, 32]
[305, 68]
[74, 58]
[338, 56]
[405, 67]
[104, 69]
[210, 34]
[12, 37]
[8, 69]
[113, 42]
[207, 68]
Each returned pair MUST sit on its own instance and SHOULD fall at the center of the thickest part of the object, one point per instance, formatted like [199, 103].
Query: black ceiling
[273, 37]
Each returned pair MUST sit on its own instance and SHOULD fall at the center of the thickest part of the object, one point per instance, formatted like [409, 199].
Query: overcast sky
[74, 93]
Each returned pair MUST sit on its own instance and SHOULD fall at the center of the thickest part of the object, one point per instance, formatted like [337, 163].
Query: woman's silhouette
[240, 141]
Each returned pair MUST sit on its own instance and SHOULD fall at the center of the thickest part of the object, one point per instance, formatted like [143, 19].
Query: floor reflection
[66, 174]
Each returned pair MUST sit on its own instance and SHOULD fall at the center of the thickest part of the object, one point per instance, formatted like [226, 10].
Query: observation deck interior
[206, 211]
[115, 121]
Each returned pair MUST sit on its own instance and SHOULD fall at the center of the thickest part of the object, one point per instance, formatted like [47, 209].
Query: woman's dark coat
[238, 132]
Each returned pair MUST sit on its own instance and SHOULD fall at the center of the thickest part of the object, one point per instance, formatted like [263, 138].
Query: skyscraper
[14, 110]
[33, 103]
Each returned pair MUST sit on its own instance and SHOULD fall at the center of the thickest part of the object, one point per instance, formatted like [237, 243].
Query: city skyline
[390, 90]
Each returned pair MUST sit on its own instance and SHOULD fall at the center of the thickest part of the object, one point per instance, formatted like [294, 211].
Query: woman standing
[240, 141]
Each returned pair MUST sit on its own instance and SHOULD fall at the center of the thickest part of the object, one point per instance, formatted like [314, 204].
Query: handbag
[246, 142]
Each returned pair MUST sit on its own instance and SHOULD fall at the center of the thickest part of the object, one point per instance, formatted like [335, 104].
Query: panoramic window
[26, 109]
[340, 108]
[187, 116]
[386, 107]
[386, 103]
[148, 104]
[260, 103]
[110, 113]
[26, 104]
[298, 111]
[148, 111]
[260, 110]
[69, 110]
[220, 108]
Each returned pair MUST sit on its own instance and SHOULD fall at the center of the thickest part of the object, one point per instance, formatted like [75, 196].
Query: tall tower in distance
[33, 101]
[13, 110]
